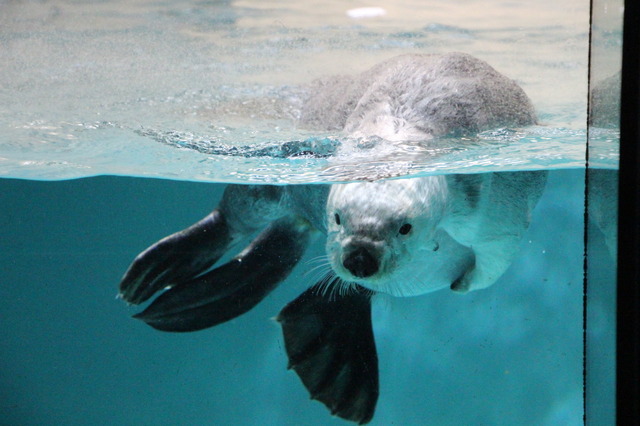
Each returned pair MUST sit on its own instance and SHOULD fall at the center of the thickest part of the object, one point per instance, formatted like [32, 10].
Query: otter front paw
[474, 279]
[462, 285]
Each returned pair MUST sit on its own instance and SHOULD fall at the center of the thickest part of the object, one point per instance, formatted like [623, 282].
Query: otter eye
[405, 229]
[337, 218]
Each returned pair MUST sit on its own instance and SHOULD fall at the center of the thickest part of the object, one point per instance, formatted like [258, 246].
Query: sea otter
[402, 237]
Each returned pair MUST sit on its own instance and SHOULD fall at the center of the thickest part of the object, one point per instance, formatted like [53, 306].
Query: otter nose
[361, 263]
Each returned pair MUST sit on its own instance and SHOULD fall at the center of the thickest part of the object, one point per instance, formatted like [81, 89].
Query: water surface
[91, 88]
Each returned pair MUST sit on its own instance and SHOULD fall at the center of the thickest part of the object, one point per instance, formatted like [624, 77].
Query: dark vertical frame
[628, 299]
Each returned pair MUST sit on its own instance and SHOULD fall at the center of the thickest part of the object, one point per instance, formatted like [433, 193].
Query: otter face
[376, 230]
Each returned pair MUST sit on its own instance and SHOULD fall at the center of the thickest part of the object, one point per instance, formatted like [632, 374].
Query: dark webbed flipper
[176, 258]
[235, 287]
[330, 345]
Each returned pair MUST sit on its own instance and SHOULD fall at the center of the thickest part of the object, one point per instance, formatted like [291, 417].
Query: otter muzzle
[360, 262]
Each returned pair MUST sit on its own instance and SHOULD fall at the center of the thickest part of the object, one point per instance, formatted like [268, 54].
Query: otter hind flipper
[330, 344]
[176, 258]
[235, 287]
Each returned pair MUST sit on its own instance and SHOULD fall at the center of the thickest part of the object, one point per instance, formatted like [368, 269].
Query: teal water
[71, 354]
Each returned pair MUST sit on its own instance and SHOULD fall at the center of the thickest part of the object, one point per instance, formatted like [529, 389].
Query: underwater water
[71, 354]
[97, 97]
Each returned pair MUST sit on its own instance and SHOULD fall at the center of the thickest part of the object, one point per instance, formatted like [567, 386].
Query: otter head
[375, 229]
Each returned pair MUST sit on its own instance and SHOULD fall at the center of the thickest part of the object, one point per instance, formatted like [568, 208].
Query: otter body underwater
[403, 237]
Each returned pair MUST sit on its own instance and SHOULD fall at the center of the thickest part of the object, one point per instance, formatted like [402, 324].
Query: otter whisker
[326, 283]
[318, 259]
[345, 287]
[319, 271]
[320, 276]
[316, 268]
[336, 286]
[326, 279]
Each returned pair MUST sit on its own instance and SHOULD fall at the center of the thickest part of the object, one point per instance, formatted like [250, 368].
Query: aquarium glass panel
[602, 191]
